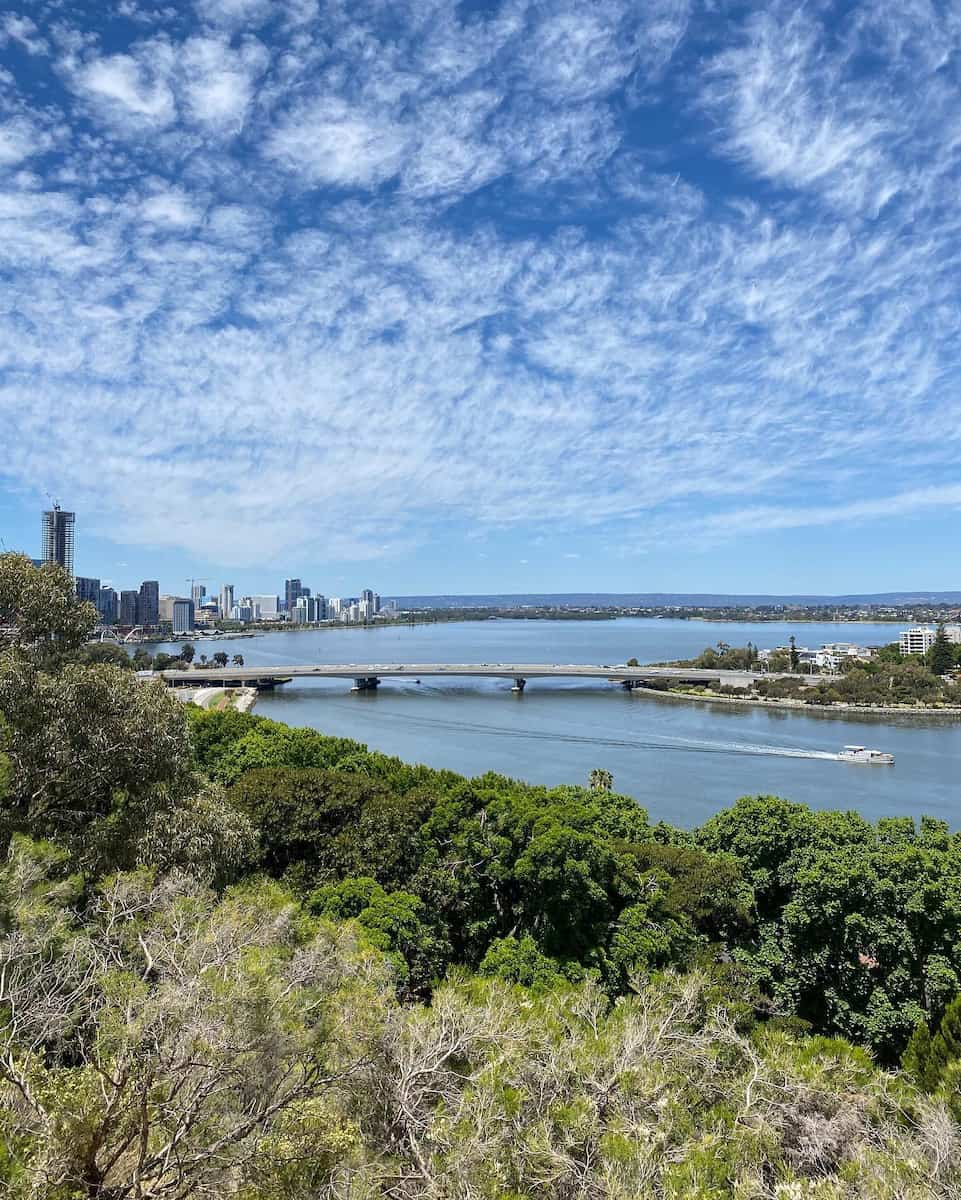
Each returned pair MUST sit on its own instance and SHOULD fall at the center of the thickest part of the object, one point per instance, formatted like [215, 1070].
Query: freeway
[367, 676]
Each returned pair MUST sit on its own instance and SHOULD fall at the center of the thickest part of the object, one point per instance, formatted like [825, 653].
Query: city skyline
[501, 295]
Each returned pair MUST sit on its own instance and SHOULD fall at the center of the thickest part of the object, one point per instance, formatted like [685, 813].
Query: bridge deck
[358, 671]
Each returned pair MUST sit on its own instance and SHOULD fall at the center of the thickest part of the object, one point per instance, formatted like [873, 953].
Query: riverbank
[242, 699]
[842, 707]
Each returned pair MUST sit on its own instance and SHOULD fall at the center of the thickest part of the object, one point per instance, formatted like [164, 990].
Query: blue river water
[682, 760]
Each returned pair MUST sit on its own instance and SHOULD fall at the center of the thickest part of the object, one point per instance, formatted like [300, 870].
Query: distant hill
[665, 599]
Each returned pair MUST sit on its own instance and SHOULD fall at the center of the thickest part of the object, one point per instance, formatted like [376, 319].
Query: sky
[492, 296]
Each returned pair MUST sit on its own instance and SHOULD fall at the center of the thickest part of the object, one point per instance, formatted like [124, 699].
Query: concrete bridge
[367, 676]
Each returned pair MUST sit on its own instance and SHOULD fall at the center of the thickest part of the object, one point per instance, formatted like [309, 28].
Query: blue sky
[486, 296]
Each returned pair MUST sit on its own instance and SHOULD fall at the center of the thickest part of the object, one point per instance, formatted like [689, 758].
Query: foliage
[41, 618]
[149, 1049]
[940, 658]
[170, 1042]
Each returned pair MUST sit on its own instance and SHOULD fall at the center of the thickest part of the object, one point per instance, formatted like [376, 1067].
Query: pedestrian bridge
[367, 676]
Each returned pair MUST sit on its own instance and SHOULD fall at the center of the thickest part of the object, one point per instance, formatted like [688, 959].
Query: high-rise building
[107, 605]
[305, 610]
[292, 593]
[87, 589]
[148, 606]
[269, 607]
[226, 599]
[129, 608]
[197, 593]
[183, 616]
[58, 537]
[321, 602]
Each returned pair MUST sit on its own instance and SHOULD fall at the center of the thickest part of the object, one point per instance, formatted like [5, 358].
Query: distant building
[226, 599]
[148, 605]
[183, 616]
[321, 603]
[334, 607]
[88, 589]
[953, 634]
[197, 593]
[166, 607]
[242, 611]
[107, 605]
[129, 608]
[57, 537]
[269, 607]
[305, 610]
[918, 640]
[292, 593]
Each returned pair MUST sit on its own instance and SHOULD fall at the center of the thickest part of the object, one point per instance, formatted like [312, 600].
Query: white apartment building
[918, 640]
[953, 634]
[269, 607]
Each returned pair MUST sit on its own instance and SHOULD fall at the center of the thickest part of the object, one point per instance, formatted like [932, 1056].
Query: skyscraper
[183, 616]
[226, 599]
[88, 589]
[58, 537]
[148, 607]
[197, 593]
[107, 604]
[292, 593]
[129, 605]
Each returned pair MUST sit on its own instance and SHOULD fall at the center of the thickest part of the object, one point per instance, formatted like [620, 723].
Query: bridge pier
[366, 683]
[519, 685]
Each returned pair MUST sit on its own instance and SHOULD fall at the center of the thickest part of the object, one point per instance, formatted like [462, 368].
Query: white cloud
[128, 89]
[329, 142]
[218, 82]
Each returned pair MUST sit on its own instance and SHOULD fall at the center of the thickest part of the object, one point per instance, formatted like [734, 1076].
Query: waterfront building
[321, 603]
[57, 537]
[107, 605]
[166, 607]
[334, 607]
[129, 608]
[148, 606]
[226, 599]
[293, 590]
[269, 607]
[305, 610]
[242, 611]
[183, 616]
[87, 589]
[918, 640]
[197, 593]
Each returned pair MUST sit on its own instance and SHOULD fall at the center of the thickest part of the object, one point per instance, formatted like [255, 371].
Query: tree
[601, 780]
[187, 652]
[220, 658]
[941, 655]
[238, 660]
[41, 618]
[162, 1046]
[793, 655]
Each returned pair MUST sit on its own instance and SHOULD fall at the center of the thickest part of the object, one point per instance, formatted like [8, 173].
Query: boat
[860, 754]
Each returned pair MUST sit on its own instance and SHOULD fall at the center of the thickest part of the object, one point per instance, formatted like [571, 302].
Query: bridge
[368, 676]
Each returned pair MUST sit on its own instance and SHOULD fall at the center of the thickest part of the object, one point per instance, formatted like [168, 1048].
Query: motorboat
[860, 754]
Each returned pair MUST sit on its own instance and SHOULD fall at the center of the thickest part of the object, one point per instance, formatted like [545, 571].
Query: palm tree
[600, 780]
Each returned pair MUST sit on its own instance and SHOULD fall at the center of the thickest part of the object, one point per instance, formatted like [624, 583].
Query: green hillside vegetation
[243, 960]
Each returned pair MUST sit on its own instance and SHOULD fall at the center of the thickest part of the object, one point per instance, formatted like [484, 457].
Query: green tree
[601, 780]
[793, 655]
[940, 658]
[41, 619]
[187, 652]
[220, 658]
[238, 660]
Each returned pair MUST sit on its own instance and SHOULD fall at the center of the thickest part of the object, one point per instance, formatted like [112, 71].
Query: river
[682, 760]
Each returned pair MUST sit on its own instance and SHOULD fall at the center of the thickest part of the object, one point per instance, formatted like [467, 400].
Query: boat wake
[664, 743]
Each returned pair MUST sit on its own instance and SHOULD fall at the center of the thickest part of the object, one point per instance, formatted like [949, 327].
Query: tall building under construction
[58, 537]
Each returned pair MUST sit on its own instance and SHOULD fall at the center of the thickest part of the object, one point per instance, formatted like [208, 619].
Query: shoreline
[891, 710]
